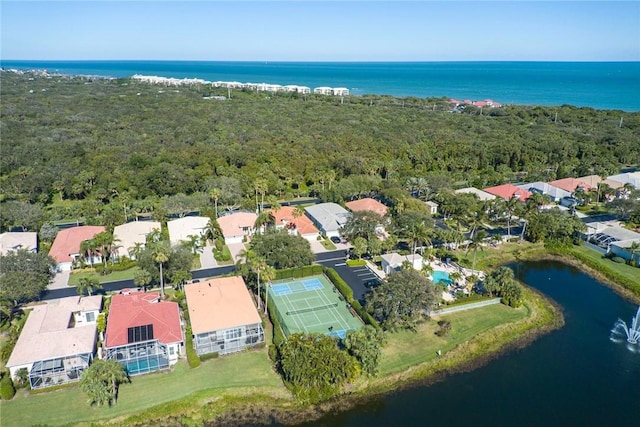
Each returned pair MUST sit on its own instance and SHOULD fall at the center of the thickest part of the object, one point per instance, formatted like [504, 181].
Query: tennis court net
[307, 310]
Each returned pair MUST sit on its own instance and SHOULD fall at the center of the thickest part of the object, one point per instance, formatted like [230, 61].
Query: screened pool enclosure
[61, 370]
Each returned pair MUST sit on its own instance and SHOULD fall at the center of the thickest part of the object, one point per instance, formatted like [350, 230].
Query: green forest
[104, 150]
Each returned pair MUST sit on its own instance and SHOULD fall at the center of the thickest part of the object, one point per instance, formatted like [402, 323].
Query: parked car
[335, 239]
[372, 283]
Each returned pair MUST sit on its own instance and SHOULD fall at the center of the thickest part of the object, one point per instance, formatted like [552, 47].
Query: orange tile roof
[232, 225]
[571, 184]
[139, 309]
[367, 204]
[68, 241]
[508, 191]
[220, 303]
[284, 216]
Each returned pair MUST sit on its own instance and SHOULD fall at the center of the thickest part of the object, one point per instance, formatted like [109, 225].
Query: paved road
[355, 277]
[338, 256]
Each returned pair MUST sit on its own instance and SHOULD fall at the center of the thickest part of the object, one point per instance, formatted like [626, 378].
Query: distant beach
[601, 85]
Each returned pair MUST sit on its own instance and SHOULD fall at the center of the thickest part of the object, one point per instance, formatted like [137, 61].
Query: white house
[555, 193]
[128, 235]
[433, 207]
[180, 229]
[223, 317]
[13, 241]
[57, 341]
[340, 91]
[393, 262]
[323, 90]
[482, 195]
[328, 217]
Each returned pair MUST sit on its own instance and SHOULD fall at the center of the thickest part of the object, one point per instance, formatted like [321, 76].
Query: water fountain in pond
[629, 332]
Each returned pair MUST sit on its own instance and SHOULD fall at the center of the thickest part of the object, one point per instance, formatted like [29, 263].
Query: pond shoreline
[266, 412]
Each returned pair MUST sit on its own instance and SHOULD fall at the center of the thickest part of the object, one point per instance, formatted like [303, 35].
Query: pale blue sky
[321, 31]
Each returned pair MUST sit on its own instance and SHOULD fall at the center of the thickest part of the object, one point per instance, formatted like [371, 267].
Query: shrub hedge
[208, 356]
[356, 262]
[192, 356]
[294, 273]
[7, 390]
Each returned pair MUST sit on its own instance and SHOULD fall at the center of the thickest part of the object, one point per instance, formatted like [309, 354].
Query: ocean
[600, 85]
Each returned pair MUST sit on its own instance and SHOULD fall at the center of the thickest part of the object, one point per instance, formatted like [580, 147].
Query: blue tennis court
[312, 305]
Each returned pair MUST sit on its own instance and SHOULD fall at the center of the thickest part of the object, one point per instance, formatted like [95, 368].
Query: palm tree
[298, 212]
[511, 206]
[88, 250]
[88, 284]
[263, 219]
[268, 274]
[215, 194]
[258, 265]
[101, 380]
[475, 244]
[260, 186]
[161, 256]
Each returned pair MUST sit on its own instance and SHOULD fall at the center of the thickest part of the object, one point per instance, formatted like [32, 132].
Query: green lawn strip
[328, 244]
[244, 370]
[623, 274]
[476, 341]
[406, 348]
[74, 278]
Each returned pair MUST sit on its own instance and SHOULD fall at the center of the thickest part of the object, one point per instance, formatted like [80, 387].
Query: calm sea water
[602, 85]
[574, 376]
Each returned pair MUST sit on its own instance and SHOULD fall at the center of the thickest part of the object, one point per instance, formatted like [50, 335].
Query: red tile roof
[508, 191]
[284, 216]
[571, 184]
[139, 309]
[68, 241]
[367, 204]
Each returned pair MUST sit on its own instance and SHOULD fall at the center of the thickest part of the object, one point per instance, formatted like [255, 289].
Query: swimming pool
[441, 276]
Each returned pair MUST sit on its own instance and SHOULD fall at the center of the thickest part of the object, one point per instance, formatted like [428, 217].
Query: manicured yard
[74, 278]
[328, 244]
[630, 274]
[231, 374]
[406, 348]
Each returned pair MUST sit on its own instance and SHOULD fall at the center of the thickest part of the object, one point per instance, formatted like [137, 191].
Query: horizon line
[318, 61]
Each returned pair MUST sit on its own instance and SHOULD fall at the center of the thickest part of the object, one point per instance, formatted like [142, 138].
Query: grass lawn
[74, 278]
[238, 372]
[490, 258]
[630, 274]
[328, 244]
[405, 348]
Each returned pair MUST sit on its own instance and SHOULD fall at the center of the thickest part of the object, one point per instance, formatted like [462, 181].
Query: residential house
[627, 249]
[66, 246]
[143, 333]
[238, 225]
[367, 204]
[509, 191]
[223, 316]
[595, 180]
[180, 229]
[128, 235]
[571, 185]
[482, 195]
[328, 218]
[554, 193]
[632, 178]
[340, 91]
[13, 241]
[57, 341]
[432, 206]
[393, 262]
[284, 218]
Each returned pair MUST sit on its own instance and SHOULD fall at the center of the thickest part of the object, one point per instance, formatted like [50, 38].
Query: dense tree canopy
[365, 344]
[502, 283]
[361, 224]
[553, 226]
[282, 250]
[315, 366]
[402, 299]
[60, 132]
[24, 275]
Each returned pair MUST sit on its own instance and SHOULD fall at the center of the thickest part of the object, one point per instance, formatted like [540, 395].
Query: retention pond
[574, 376]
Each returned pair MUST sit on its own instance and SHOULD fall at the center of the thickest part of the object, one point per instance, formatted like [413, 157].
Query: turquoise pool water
[441, 276]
